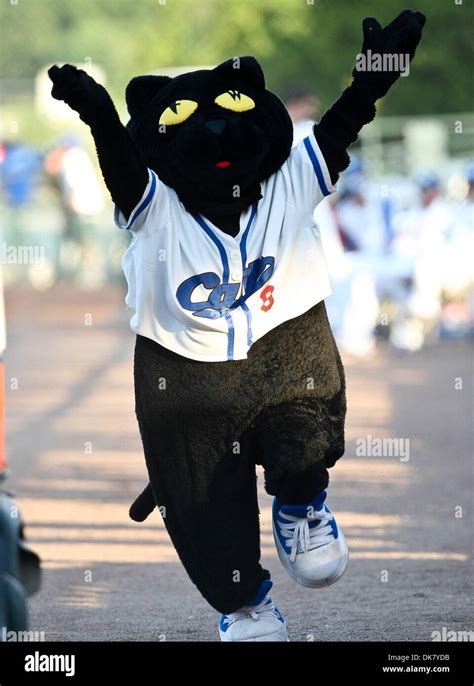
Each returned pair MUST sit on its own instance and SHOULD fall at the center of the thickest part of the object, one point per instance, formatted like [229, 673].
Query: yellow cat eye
[235, 101]
[177, 112]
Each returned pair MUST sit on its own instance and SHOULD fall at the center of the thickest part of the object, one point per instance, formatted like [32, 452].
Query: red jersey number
[267, 297]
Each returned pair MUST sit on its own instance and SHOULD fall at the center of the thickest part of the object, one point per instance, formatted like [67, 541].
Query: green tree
[296, 40]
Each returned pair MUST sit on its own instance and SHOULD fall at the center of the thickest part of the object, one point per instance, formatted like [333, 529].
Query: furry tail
[143, 505]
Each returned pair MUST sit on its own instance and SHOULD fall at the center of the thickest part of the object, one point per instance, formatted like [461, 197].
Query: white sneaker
[254, 622]
[310, 545]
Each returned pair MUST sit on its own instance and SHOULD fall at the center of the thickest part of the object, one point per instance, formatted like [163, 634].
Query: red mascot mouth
[223, 164]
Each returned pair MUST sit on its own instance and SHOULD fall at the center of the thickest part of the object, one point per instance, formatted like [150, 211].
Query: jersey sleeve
[310, 181]
[148, 210]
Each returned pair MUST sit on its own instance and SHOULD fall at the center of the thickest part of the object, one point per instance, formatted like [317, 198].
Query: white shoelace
[265, 608]
[304, 537]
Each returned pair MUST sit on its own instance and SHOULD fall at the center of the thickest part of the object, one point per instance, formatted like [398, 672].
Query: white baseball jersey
[209, 296]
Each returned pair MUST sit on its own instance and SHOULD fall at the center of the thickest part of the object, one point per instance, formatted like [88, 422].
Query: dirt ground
[76, 463]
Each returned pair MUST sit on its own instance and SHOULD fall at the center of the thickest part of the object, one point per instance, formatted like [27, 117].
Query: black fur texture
[185, 155]
[205, 433]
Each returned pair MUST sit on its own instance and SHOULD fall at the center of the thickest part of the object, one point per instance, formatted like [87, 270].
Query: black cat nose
[217, 126]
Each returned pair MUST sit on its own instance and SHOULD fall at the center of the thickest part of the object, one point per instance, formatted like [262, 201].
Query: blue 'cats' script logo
[224, 296]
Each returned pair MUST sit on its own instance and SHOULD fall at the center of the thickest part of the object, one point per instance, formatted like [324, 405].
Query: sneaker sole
[302, 582]
[277, 636]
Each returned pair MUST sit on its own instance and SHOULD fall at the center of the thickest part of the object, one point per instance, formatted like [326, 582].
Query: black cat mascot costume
[235, 362]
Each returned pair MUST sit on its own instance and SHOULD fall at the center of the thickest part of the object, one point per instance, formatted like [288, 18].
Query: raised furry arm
[340, 125]
[124, 172]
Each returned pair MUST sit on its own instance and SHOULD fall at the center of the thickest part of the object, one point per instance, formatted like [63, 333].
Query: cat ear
[243, 69]
[141, 90]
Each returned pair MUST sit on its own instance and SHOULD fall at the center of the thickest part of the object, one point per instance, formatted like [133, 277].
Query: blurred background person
[421, 239]
[457, 317]
[304, 109]
[352, 307]
[81, 199]
[20, 165]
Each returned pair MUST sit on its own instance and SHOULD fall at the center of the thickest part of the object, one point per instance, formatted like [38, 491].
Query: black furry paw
[79, 90]
[387, 52]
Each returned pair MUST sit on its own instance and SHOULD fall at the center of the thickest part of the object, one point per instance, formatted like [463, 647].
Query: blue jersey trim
[226, 273]
[230, 336]
[243, 242]
[316, 166]
[243, 252]
[146, 201]
[225, 277]
[217, 243]
[248, 315]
